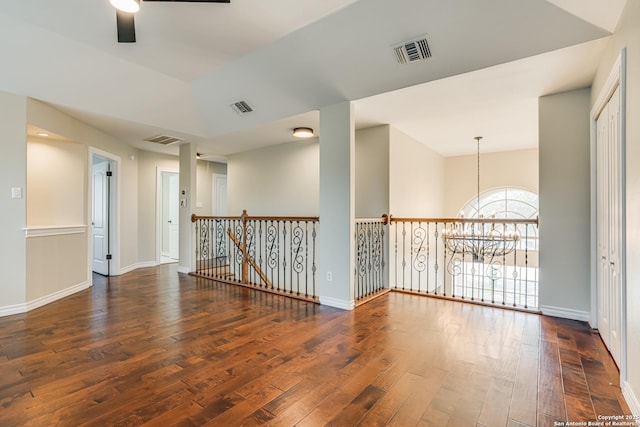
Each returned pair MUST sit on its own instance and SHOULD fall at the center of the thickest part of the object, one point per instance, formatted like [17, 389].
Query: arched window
[512, 280]
[511, 203]
[505, 202]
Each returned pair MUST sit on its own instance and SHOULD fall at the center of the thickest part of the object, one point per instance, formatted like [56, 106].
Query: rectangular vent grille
[412, 51]
[164, 139]
[241, 107]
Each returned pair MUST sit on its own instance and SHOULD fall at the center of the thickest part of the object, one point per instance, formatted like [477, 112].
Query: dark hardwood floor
[156, 348]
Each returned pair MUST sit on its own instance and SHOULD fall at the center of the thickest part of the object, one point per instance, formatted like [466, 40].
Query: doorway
[168, 201]
[219, 196]
[103, 197]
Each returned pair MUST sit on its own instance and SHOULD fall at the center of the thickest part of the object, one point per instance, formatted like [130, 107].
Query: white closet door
[609, 222]
[602, 179]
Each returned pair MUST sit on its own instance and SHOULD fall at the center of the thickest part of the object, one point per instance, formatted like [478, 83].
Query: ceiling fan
[124, 16]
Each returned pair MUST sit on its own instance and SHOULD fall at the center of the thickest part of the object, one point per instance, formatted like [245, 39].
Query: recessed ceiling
[288, 58]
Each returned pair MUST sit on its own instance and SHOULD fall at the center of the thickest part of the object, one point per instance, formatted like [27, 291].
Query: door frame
[159, 171]
[616, 78]
[114, 212]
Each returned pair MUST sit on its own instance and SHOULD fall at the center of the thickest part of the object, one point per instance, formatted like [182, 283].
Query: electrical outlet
[16, 193]
[329, 276]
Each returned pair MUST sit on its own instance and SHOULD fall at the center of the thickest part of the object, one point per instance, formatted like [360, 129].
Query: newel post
[245, 249]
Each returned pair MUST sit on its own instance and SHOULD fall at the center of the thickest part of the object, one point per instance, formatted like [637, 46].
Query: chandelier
[482, 239]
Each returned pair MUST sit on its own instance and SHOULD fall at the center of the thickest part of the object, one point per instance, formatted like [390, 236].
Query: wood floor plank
[153, 347]
[494, 411]
[523, 402]
[550, 383]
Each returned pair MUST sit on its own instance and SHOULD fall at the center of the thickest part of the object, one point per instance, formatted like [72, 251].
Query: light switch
[16, 193]
[199, 205]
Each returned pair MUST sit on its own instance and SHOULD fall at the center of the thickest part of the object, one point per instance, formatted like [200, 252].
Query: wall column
[565, 197]
[13, 180]
[337, 206]
[188, 195]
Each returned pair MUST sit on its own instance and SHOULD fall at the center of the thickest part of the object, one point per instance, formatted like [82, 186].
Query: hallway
[157, 348]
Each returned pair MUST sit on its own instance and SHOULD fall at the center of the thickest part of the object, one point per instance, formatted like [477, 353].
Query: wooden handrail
[250, 260]
[384, 219]
[284, 218]
[195, 217]
[468, 220]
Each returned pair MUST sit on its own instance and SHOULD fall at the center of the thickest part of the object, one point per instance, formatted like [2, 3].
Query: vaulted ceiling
[287, 58]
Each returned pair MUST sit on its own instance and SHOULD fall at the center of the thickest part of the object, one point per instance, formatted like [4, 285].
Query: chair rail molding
[53, 230]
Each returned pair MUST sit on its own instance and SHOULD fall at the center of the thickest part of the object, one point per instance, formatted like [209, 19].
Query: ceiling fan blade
[194, 1]
[126, 27]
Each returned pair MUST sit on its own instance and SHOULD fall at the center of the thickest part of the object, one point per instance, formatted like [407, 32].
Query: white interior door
[609, 225]
[100, 218]
[219, 195]
[174, 224]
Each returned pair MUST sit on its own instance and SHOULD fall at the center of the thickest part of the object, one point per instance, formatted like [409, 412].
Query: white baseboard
[39, 302]
[631, 398]
[337, 303]
[13, 309]
[565, 313]
[136, 266]
[44, 300]
[185, 270]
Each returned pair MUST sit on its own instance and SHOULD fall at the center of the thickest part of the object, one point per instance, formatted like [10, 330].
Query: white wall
[628, 35]
[337, 206]
[416, 178]
[372, 172]
[13, 173]
[565, 203]
[279, 180]
[504, 169]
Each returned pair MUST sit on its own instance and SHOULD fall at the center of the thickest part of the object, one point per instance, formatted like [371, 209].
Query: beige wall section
[55, 263]
[279, 180]
[13, 174]
[205, 172]
[372, 172]
[504, 169]
[47, 117]
[56, 183]
[628, 35]
[565, 201]
[284, 179]
[416, 178]
[148, 164]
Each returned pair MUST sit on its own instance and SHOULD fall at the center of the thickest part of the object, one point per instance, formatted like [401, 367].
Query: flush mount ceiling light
[44, 134]
[303, 132]
[128, 6]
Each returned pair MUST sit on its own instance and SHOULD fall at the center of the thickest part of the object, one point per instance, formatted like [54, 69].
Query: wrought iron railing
[487, 261]
[370, 278]
[277, 254]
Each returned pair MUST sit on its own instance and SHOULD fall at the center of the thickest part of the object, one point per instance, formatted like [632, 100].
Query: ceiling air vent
[241, 107]
[164, 139]
[412, 51]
